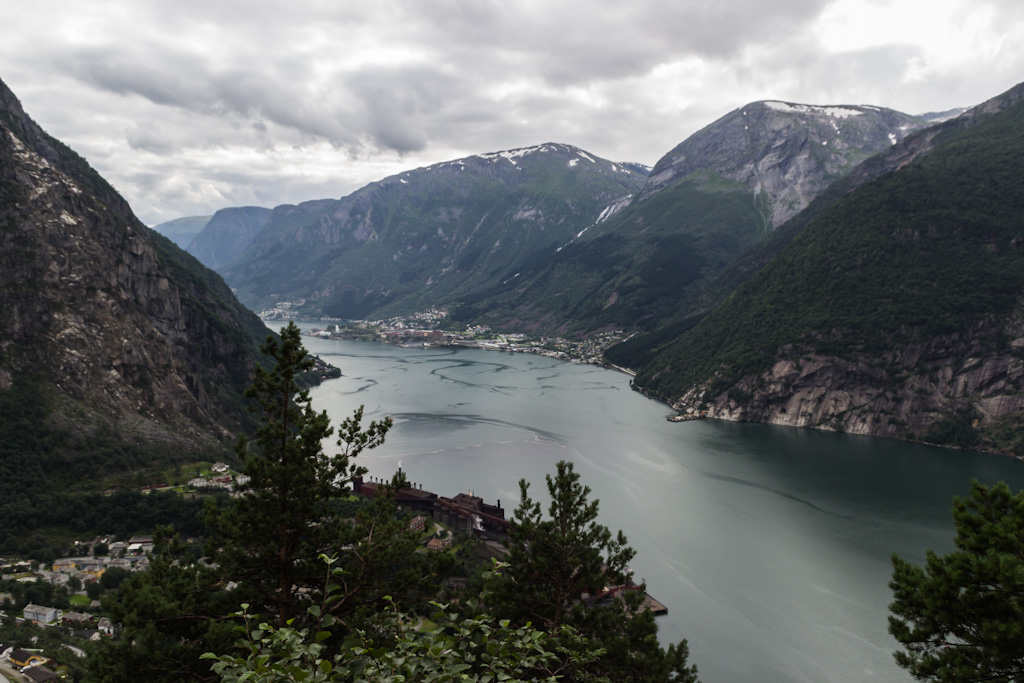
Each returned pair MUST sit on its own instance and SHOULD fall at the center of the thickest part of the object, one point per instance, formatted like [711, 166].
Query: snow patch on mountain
[836, 112]
[513, 154]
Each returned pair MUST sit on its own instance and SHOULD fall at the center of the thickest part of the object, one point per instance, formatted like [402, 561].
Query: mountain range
[182, 231]
[430, 236]
[227, 234]
[842, 267]
[705, 203]
[552, 238]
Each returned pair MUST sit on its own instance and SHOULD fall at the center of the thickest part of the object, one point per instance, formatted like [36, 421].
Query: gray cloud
[191, 106]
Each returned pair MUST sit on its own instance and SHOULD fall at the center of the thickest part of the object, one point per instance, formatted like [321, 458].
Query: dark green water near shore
[770, 546]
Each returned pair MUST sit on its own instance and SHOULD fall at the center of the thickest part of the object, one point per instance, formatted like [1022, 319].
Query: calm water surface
[769, 545]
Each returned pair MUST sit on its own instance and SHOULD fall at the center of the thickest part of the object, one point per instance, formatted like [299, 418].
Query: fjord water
[770, 546]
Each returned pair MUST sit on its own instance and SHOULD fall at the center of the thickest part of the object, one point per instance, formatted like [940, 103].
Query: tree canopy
[271, 537]
[558, 570]
[961, 616]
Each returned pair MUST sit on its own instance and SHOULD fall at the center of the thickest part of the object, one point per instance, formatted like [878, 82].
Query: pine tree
[271, 538]
[558, 565]
[961, 616]
[167, 616]
[552, 562]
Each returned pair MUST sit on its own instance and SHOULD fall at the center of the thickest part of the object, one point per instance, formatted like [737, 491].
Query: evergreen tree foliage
[557, 570]
[552, 562]
[271, 537]
[382, 560]
[961, 616]
[168, 615]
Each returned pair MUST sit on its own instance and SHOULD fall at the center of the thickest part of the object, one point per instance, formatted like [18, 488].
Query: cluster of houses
[222, 478]
[31, 664]
[129, 555]
[83, 625]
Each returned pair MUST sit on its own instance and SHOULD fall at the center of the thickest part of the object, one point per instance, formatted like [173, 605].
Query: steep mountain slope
[430, 236]
[705, 203]
[787, 153]
[227, 234]
[895, 311]
[182, 231]
[123, 336]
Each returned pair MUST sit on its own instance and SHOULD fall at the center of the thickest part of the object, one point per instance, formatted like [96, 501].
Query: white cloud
[189, 106]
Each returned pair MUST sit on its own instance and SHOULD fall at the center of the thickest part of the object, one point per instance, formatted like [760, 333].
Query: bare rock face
[120, 323]
[787, 154]
[888, 395]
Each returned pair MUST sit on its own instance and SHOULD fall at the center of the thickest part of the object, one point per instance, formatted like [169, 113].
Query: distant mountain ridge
[227, 234]
[182, 231]
[127, 334]
[615, 258]
[942, 116]
[705, 203]
[788, 152]
[894, 308]
[432, 235]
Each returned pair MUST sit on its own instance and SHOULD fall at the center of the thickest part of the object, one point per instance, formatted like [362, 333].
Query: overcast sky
[189, 106]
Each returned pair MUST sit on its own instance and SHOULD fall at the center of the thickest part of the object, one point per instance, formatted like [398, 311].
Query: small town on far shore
[433, 328]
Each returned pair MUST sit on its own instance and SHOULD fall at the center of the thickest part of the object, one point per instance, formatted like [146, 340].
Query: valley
[712, 233]
[848, 270]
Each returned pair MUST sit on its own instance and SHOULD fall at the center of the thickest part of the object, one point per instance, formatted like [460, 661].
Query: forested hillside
[430, 236]
[896, 311]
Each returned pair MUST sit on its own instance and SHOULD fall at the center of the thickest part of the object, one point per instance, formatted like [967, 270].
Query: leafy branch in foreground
[476, 649]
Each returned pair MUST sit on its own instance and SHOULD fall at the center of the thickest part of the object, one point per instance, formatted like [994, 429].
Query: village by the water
[434, 328]
[430, 328]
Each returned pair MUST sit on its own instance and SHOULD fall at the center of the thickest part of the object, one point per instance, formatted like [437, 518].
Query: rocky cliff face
[787, 153]
[125, 329]
[913, 392]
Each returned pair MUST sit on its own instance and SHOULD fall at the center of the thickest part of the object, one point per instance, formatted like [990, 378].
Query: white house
[42, 614]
